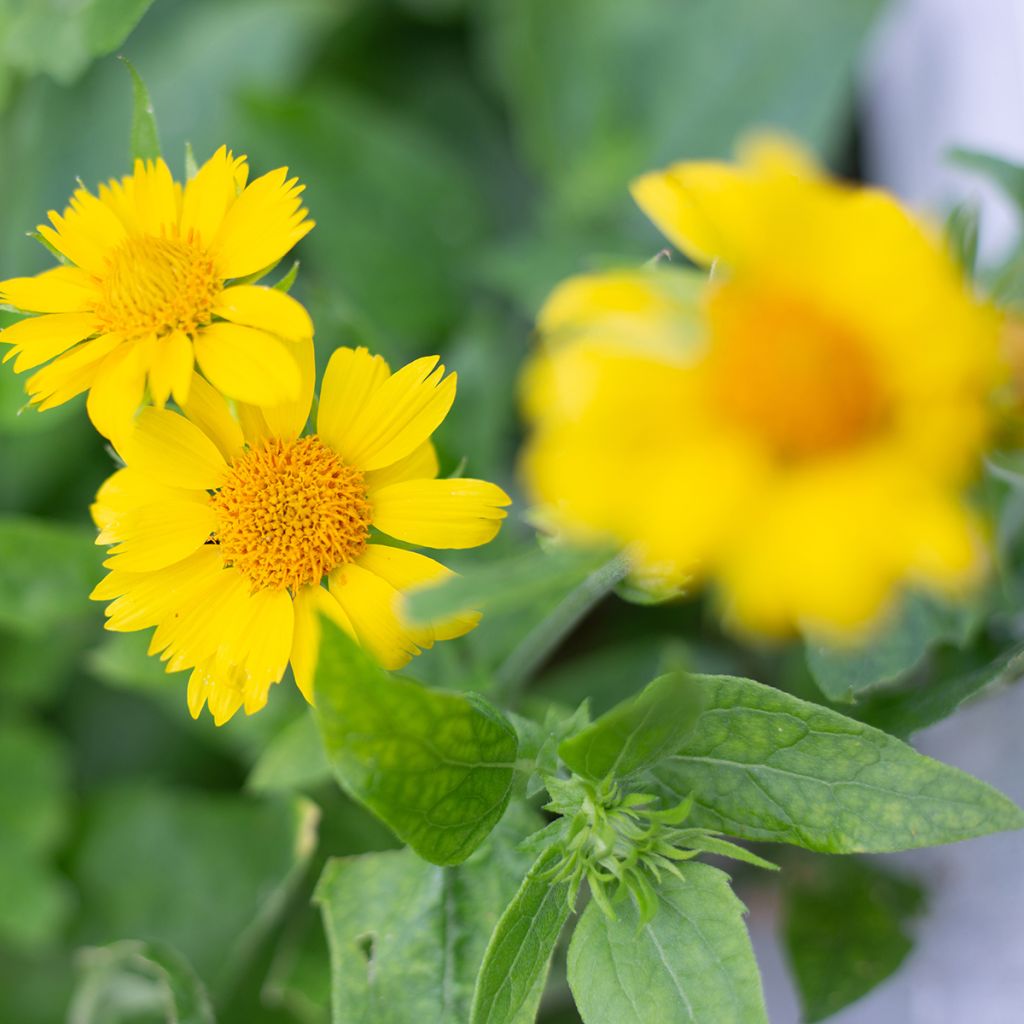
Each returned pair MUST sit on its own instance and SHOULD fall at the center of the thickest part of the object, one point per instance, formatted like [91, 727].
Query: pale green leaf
[145, 137]
[293, 760]
[511, 979]
[435, 766]
[637, 733]
[764, 765]
[691, 964]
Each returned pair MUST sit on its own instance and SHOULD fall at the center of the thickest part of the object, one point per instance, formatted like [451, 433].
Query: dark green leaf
[639, 732]
[845, 927]
[511, 980]
[764, 765]
[691, 964]
[116, 982]
[145, 137]
[406, 937]
[46, 572]
[293, 760]
[436, 767]
[887, 654]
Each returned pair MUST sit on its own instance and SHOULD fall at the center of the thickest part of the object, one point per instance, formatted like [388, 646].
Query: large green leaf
[639, 732]
[46, 572]
[765, 765]
[34, 799]
[206, 874]
[515, 967]
[406, 937]
[691, 964]
[845, 930]
[436, 767]
[117, 983]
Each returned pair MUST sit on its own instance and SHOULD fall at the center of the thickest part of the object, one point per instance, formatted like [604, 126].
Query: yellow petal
[352, 376]
[247, 364]
[117, 391]
[127, 490]
[398, 416]
[170, 370]
[440, 513]
[217, 685]
[167, 446]
[61, 290]
[72, 373]
[286, 419]
[310, 603]
[161, 533]
[209, 194]
[407, 570]
[86, 232]
[269, 309]
[38, 339]
[208, 410]
[419, 465]
[263, 223]
[260, 641]
[157, 198]
[370, 603]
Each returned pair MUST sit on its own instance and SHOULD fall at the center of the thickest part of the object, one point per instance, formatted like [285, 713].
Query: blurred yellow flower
[146, 293]
[799, 427]
[224, 528]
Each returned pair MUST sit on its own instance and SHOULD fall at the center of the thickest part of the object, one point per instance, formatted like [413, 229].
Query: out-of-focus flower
[146, 293]
[799, 428]
[225, 528]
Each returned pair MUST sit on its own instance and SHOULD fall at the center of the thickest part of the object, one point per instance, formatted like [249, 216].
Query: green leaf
[511, 979]
[1007, 175]
[406, 937]
[691, 964]
[507, 585]
[116, 982]
[889, 653]
[639, 732]
[34, 804]
[436, 767]
[904, 713]
[764, 765]
[46, 572]
[293, 760]
[145, 137]
[845, 928]
[152, 863]
[962, 228]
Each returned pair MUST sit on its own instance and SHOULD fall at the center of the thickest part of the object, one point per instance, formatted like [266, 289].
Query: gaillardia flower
[147, 292]
[224, 529]
[800, 426]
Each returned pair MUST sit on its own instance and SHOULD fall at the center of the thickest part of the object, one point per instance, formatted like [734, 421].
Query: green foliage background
[460, 156]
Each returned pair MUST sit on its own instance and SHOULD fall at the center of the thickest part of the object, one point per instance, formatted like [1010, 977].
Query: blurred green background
[460, 158]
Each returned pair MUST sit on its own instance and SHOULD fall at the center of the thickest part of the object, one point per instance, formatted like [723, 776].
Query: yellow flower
[800, 427]
[146, 293]
[224, 528]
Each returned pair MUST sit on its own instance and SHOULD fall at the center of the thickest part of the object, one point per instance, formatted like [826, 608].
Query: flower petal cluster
[799, 426]
[156, 278]
[225, 524]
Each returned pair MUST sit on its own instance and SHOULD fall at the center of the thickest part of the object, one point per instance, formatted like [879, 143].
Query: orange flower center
[786, 373]
[289, 512]
[157, 285]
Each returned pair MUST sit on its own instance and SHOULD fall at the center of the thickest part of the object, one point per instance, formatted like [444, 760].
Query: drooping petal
[269, 309]
[310, 603]
[248, 364]
[170, 370]
[167, 446]
[440, 513]
[117, 391]
[60, 290]
[38, 339]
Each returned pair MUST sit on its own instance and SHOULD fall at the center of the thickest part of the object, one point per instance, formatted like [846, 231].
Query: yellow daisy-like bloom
[800, 426]
[147, 293]
[224, 528]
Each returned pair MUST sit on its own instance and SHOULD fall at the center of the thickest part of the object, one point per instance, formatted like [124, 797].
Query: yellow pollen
[289, 512]
[789, 375]
[157, 285]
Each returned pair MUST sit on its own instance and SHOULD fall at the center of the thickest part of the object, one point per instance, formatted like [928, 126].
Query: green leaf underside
[145, 137]
[114, 980]
[436, 767]
[407, 937]
[637, 733]
[845, 930]
[888, 654]
[691, 964]
[511, 980]
[764, 765]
